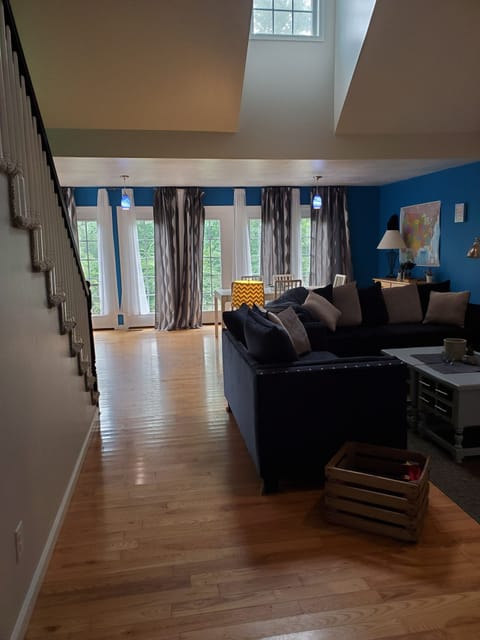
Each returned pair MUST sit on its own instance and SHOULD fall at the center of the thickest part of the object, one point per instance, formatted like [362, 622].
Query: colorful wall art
[420, 228]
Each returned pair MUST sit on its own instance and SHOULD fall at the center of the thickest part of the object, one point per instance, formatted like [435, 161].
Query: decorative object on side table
[406, 269]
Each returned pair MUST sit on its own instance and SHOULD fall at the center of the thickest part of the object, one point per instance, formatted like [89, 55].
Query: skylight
[289, 19]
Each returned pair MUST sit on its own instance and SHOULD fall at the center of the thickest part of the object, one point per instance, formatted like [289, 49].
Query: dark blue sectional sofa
[294, 416]
[294, 413]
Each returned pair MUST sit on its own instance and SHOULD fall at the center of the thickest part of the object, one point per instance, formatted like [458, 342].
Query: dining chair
[284, 284]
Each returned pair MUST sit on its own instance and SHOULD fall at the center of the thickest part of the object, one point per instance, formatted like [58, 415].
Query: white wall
[45, 415]
[351, 24]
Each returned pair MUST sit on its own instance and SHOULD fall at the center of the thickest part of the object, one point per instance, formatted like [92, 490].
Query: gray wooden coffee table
[448, 392]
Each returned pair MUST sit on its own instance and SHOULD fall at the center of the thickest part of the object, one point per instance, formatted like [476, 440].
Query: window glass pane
[88, 249]
[305, 250]
[255, 233]
[302, 24]
[146, 248]
[263, 22]
[283, 4]
[282, 21]
[212, 263]
[302, 5]
[286, 18]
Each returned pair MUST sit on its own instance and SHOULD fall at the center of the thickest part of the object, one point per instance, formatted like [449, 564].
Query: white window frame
[147, 319]
[108, 321]
[224, 213]
[319, 14]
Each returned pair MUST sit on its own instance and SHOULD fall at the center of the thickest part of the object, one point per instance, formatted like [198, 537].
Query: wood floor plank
[168, 537]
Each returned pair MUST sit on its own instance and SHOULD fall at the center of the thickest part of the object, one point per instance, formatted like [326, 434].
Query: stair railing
[36, 201]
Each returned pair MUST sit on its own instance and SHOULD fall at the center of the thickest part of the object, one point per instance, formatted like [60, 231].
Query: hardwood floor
[168, 537]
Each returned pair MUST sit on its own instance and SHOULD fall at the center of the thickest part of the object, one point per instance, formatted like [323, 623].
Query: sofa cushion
[447, 308]
[234, 321]
[295, 295]
[403, 303]
[372, 304]
[425, 289]
[345, 298]
[267, 341]
[296, 330]
[326, 292]
[322, 309]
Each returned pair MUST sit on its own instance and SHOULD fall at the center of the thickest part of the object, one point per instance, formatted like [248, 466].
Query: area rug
[460, 482]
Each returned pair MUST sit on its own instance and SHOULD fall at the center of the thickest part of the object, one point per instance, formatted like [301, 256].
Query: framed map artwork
[420, 228]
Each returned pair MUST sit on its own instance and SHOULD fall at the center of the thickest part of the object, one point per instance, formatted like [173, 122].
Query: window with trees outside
[286, 19]
[305, 226]
[212, 262]
[255, 237]
[146, 248]
[88, 248]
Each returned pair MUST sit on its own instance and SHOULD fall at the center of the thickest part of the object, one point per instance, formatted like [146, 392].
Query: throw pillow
[424, 291]
[403, 304]
[372, 304]
[345, 298]
[326, 292]
[234, 321]
[447, 308]
[296, 331]
[267, 342]
[322, 309]
[295, 295]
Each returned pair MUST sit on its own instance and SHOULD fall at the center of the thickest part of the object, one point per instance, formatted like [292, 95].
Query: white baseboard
[21, 624]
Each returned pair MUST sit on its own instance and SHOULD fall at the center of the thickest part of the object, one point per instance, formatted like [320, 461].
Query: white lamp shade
[392, 239]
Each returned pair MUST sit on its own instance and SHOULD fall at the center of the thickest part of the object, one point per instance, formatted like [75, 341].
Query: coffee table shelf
[454, 398]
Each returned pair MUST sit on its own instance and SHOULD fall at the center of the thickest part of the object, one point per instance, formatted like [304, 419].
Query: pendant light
[317, 198]
[125, 199]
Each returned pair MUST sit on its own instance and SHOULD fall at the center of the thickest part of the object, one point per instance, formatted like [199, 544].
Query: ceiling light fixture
[317, 198]
[125, 199]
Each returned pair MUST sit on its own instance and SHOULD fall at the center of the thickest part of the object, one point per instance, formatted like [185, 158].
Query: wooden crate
[364, 489]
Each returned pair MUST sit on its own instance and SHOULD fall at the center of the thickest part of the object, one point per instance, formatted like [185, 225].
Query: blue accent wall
[362, 204]
[461, 184]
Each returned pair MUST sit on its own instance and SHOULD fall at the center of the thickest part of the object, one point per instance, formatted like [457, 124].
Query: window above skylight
[287, 19]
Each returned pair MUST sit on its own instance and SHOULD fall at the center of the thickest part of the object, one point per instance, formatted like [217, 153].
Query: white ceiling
[176, 172]
[156, 90]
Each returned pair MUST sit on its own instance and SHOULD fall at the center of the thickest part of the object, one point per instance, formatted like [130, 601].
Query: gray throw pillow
[447, 308]
[403, 304]
[346, 299]
[322, 309]
[296, 331]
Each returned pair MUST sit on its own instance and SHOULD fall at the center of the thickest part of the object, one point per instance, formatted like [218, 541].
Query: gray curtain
[330, 237]
[179, 218]
[276, 216]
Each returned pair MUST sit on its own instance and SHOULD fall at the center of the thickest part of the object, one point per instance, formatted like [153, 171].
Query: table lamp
[392, 241]
[247, 292]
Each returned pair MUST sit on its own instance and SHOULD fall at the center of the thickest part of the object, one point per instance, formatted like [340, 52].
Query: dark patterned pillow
[374, 311]
[235, 320]
[326, 292]
[296, 295]
[267, 341]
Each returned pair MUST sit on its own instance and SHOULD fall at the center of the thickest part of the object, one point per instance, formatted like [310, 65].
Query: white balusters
[36, 206]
